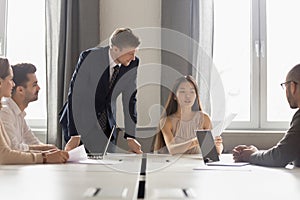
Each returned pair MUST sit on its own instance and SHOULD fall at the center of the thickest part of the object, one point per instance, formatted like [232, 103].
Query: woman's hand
[194, 143]
[58, 156]
[73, 142]
[219, 144]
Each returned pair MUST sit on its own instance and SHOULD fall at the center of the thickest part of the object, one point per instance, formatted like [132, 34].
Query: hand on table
[242, 153]
[73, 142]
[58, 156]
[134, 146]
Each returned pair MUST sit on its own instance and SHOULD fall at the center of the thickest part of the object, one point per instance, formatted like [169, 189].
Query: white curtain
[212, 93]
[203, 58]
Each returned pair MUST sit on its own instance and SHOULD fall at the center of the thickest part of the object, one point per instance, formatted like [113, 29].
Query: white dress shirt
[16, 127]
[112, 64]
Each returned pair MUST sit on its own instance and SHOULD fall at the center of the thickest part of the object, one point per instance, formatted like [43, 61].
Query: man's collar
[112, 63]
[13, 105]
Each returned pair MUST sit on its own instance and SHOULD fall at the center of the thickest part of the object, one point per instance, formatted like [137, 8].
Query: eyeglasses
[283, 85]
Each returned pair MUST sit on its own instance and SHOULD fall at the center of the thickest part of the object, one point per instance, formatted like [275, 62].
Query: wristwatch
[44, 155]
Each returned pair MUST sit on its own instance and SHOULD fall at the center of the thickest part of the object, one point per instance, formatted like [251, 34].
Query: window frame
[264, 123]
[258, 80]
[3, 27]
[34, 123]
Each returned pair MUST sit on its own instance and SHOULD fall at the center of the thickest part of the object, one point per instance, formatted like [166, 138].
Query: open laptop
[209, 151]
[207, 146]
[100, 156]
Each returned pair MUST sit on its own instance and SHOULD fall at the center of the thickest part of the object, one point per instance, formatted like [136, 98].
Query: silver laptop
[100, 156]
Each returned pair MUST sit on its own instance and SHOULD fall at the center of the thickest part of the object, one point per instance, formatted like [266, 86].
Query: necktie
[114, 77]
[103, 116]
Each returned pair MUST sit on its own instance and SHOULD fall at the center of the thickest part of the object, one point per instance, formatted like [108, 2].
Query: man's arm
[66, 115]
[28, 136]
[286, 151]
[32, 141]
[15, 136]
[129, 109]
[129, 102]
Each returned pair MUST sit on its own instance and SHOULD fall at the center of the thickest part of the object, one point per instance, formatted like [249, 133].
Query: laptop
[207, 146]
[100, 156]
[209, 151]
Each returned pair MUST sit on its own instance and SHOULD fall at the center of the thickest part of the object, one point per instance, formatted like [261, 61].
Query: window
[254, 48]
[2, 27]
[25, 42]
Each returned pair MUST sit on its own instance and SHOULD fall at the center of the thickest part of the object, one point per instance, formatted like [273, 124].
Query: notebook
[100, 156]
[209, 151]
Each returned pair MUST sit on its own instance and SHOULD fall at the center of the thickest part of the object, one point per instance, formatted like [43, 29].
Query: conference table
[148, 176]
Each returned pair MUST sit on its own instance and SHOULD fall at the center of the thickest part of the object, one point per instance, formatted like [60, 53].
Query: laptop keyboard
[95, 156]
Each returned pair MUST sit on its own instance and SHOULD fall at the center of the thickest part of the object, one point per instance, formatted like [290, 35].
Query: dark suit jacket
[287, 150]
[105, 100]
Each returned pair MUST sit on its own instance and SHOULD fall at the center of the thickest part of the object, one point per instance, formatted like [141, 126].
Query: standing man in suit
[288, 149]
[118, 65]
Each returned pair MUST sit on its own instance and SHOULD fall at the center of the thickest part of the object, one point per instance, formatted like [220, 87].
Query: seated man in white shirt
[12, 114]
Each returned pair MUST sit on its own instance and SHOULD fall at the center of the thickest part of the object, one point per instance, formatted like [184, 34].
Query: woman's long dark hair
[4, 70]
[171, 108]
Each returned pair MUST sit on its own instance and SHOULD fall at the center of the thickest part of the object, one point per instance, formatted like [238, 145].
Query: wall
[141, 16]
[260, 139]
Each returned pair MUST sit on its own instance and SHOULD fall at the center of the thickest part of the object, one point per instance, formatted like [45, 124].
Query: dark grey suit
[89, 96]
[287, 150]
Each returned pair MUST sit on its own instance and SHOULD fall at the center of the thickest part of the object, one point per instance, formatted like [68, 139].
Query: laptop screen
[101, 155]
[108, 141]
[207, 145]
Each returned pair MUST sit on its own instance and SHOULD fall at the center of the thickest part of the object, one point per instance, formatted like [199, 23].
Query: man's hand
[73, 142]
[237, 150]
[242, 153]
[134, 146]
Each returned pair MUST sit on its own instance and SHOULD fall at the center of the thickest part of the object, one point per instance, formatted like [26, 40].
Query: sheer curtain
[71, 27]
[211, 88]
[202, 59]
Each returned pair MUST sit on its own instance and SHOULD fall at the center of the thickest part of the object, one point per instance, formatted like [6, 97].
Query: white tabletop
[167, 177]
[72, 181]
[187, 177]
